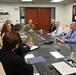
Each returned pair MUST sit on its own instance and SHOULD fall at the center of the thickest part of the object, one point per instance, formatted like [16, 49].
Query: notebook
[63, 68]
[33, 47]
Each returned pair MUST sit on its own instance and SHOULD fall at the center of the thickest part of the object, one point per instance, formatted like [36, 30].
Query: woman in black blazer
[12, 63]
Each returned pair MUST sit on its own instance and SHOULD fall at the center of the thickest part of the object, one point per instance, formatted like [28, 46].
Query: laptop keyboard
[43, 68]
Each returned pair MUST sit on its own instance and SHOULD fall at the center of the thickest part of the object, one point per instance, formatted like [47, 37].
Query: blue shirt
[72, 39]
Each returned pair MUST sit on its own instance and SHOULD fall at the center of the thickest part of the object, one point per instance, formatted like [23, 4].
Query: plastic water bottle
[41, 31]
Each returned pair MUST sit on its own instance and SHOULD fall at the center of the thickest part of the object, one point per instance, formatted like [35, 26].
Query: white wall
[63, 12]
[60, 14]
[68, 13]
[15, 12]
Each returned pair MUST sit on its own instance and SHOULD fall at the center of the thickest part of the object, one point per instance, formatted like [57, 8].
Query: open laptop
[63, 68]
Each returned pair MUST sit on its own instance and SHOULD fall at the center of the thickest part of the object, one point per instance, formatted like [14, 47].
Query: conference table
[45, 49]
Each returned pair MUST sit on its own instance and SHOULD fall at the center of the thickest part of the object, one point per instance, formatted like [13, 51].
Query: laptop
[63, 68]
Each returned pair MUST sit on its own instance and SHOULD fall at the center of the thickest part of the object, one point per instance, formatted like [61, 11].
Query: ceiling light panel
[56, 0]
[27, 0]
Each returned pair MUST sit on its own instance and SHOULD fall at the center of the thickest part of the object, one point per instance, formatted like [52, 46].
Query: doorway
[39, 16]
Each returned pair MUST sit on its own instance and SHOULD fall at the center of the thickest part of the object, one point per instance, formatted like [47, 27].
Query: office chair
[2, 72]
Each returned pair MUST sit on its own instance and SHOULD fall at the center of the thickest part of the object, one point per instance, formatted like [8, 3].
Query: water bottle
[41, 31]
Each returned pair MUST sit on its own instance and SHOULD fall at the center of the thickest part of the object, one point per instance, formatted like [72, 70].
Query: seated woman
[6, 28]
[12, 63]
[10, 23]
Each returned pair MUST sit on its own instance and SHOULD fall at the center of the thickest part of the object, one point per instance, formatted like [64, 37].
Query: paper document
[63, 68]
[60, 40]
[34, 47]
[29, 56]
[57, 54]
[36, 74]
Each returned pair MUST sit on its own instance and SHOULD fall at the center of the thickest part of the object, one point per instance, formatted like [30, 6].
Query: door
[40, 17]
[44, 18]
[31, 13]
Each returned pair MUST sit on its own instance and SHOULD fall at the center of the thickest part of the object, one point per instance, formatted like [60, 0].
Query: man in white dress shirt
[59, 30]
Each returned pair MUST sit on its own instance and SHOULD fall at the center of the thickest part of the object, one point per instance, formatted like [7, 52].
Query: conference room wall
[60, 13]
[68, 13]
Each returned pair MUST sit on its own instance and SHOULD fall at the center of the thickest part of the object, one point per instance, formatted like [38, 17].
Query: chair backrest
[66, 28]
[1, 43]
[2, 72]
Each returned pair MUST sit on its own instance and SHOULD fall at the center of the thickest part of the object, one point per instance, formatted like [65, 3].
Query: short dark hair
[17, 27]
[10, 40]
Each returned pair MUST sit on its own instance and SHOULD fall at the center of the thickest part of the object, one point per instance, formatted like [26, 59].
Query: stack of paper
[57, 54]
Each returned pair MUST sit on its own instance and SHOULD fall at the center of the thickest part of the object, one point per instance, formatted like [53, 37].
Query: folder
[35, 60]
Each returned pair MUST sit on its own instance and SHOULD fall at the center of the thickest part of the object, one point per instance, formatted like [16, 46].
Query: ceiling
[37, 1]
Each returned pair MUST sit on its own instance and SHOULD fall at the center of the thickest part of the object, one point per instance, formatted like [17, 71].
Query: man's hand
[62, 39]
[30, 44]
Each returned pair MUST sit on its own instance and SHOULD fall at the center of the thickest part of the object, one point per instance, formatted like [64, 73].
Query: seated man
[29, 27]
[71, 35]
[21, 50]
[52, 26]
[59, 30]
[12, 63]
